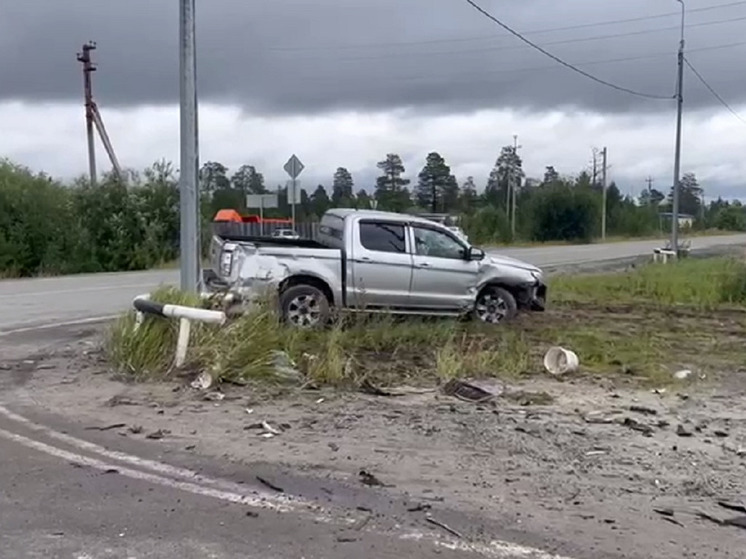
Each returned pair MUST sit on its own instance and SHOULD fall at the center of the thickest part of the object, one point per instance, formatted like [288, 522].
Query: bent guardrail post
[143, 305]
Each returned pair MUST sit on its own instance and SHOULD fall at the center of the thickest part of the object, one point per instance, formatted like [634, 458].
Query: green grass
[704, 284]
[641, 325]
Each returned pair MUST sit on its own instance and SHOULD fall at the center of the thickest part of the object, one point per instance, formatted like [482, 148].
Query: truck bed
[273, 241]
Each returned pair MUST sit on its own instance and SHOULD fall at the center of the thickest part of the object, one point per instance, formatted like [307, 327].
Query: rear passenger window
[382, 237]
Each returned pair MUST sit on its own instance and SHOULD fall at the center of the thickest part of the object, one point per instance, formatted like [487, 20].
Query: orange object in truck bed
[232, 216]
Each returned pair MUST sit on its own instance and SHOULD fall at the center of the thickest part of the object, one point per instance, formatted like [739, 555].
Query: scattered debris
[285, 369]
[135, 429]
[738, 450]
[560, 361]
[738, 507]
[157, 435]
[269, 484]
[635, 425]
[420, 507]
[664, 512]
[643, 410]
[367, 387]
[203, 381]
[333, 446]
[121, 401]
[597, 417]
[214, 397]
[366, 478]
[111, 471]
[252, 514]
[466, 391]
[683, 430]
[445, 527]
[683, 374]
[720, 433]
[346, 539]
[107, 427]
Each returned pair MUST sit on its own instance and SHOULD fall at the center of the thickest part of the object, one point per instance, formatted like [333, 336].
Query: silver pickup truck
[371, 261]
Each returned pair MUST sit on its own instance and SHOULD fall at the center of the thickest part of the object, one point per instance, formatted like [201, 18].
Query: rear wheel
[305, 306]
[495, 305]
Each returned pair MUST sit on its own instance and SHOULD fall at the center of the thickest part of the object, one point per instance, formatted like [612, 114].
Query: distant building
[685, 220]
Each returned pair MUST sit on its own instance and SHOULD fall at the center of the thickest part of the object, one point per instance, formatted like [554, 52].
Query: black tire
[305, 306]
[495, 305]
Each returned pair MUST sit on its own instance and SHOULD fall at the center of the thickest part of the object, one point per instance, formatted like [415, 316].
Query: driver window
[429, 242]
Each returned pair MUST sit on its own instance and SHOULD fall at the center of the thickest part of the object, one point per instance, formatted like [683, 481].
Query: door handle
[365, 258]
[424, 264]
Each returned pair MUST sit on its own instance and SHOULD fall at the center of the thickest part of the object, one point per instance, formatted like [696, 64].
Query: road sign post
[293, 168]
[261, 201]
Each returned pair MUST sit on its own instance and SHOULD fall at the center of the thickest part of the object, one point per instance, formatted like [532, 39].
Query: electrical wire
[557, 59]
[712, 90]
[530, 32]
[514, 47]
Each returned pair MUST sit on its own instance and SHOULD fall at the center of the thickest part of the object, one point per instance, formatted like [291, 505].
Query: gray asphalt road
[61, 500]
[32, 302]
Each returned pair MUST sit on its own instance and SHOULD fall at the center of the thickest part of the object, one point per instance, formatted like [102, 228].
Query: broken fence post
[143, 305]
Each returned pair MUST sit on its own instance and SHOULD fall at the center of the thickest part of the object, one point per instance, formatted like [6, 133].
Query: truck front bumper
[532, 296]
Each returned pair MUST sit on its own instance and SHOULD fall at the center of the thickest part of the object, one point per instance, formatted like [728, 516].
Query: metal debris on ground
[157, 435]
[214, 397]
[269, 484]
[203, 381]
[107, 427]
[366, 478]
[466, 391]
[738, 507]
[635, 425]
[683, 430]
[683, 374]
[445, 527]
[643, 410]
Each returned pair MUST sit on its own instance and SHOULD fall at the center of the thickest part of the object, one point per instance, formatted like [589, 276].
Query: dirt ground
[598, 464]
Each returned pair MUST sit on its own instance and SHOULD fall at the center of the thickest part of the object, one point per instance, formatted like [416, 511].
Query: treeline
[131, 223]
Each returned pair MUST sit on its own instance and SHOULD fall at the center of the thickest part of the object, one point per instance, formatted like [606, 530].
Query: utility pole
[603, 195]
[512, 183]
[594, 177]
[677, 152]
[188, 192]
[88, 68]
[650, 180]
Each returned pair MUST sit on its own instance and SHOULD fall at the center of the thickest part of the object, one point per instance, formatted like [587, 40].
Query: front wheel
[495, 305]
[305, 306]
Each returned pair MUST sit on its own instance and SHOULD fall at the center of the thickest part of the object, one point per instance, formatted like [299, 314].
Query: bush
[564, 213]
[50, 228]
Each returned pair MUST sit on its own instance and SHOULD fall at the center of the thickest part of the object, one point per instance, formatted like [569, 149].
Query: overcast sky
[342, 82]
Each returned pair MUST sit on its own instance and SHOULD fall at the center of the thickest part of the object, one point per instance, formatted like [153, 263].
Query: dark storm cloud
[308, 55]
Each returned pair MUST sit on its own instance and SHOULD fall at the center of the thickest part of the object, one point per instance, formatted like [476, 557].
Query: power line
[514, 47]
[437, 79]
[712, 90]
[559, 60]
[530, 32]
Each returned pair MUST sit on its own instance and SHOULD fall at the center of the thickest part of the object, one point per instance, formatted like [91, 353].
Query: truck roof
[377, 214]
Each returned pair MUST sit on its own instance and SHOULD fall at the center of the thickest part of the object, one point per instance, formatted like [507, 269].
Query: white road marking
[221, 489]
[153, 465]
[77, 322]
[258, 502]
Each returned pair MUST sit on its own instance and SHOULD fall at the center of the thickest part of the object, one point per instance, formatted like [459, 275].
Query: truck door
[442, 277]
[381, 265]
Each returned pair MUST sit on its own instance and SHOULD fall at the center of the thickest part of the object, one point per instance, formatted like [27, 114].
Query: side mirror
[475, 253]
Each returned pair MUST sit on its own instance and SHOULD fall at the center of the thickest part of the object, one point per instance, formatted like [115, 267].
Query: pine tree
[437, 189]
[391, 188]
[509, 162]
[342, 188]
